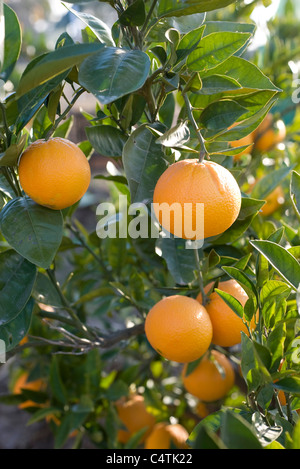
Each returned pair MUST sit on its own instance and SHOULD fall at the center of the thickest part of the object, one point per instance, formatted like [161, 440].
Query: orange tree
[170, 83]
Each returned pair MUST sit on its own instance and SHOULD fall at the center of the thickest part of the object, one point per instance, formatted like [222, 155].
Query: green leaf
[180, 261]
[282, 261]
[242, 279]
[266, 434]
[106, 140]
[248, 75]
[232, 302]
[189, 7]
[113, 73]
[144, 163]
[99, 28]
[54, 63]
[17, 277]
[134, 15]
[268, 183]
[189, 42]
[14, 331]
[33, 231]
[220, 115]
[218, 84]
[289, 384]
[11, 155]
[295, 191]
[237, 433]
[175, 137]
[12, 42]
[44, 292]
[215, 49]
[228, 26]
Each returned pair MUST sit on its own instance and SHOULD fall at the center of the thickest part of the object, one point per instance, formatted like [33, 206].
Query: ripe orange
[135, 417]
[273, 201]
[208, 381]
[227, 326]
[22, 383]
[178, 329]
[190, 182]
[248, 140]
[164, 434]
[54, 173]
[269, 134]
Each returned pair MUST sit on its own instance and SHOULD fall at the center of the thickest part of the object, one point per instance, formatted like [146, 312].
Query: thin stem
[148, 17]
[200, 278]
[83, 243]
[16, 181]
[203, 152]
[65, 113]
[6, 126]
[82, 328]
[9, 179]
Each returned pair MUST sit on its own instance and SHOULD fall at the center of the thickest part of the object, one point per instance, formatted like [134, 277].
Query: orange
[163, 435]
[227, 326]
[248, 140]
[190, 182]
[54, 173]
[208, 381]
[179, 328]
[135, 417]
[269, 134]
[201, 410]
[273, 201]
[22, 383]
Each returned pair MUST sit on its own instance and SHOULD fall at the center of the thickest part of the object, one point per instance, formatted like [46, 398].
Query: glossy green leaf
[14, 331]
[232, 302]
[238, 433]
[215, 49]
[134, 15]
[33, 231]
[17, 277]
[220, 115]
[282, 261]
[12, 42]
[106, 140]
[188, 7]
[54, 63]
[144, 163]
[99, 28]
[113, 73]
[180, 261]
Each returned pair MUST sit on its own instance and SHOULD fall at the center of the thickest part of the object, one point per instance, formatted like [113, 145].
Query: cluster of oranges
[136, 417]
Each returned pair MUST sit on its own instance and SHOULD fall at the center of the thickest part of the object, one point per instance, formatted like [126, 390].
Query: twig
[205, 299]
[203, 151]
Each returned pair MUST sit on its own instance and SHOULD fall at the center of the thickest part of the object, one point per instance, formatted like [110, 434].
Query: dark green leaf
[12, 42]
[134, 15]
[33, 231]
[54, 63]
[106, 140]
[17, 277]
[180, 261]
[113, 73]
[232, 302]
[220, 115]
[144, 163]
[14, 331]
[237, 433]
